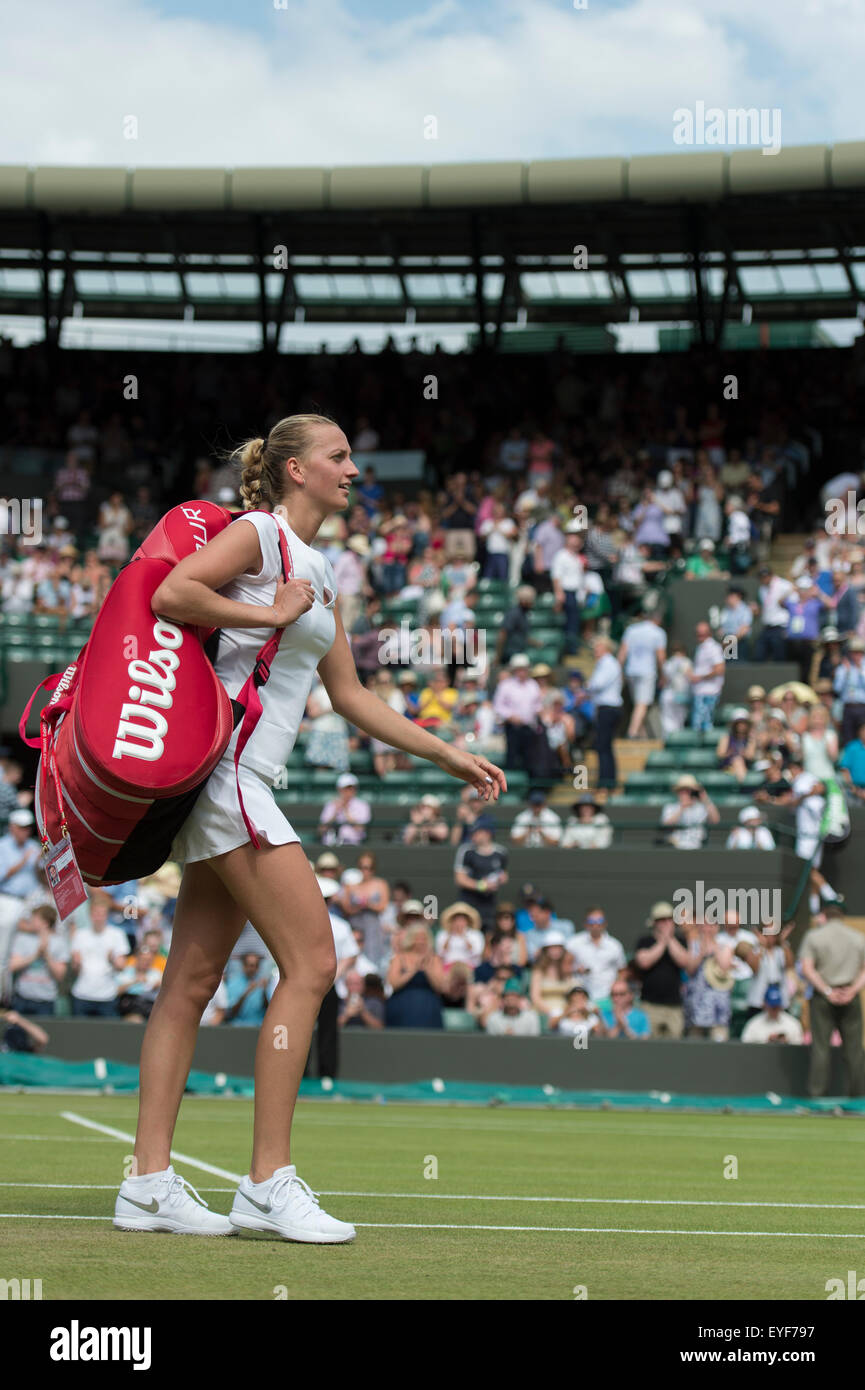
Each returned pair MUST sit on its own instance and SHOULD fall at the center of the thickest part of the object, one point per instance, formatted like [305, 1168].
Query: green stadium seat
[684, 738]
[458, 1021]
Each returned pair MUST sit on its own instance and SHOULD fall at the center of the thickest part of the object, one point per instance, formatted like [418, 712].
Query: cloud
[315, 84]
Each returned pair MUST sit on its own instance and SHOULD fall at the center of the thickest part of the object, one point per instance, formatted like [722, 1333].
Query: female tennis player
[302, 473]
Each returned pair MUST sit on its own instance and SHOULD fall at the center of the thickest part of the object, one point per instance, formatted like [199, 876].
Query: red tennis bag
[138, 721]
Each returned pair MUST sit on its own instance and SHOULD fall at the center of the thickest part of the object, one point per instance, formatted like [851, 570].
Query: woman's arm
[368, 713]
[187, 594]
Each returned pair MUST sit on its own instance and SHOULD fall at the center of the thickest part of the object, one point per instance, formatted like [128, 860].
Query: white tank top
[304, 643]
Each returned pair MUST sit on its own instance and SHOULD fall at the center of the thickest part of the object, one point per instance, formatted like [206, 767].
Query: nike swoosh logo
[262, 1206]
[152, 1206]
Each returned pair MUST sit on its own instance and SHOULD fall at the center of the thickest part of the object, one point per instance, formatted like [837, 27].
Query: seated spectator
[772, 1023]
[327, 744]
[137, 986]
[819, 743]
[426, 824]
[537, 826]
[458, 980]
[774, 736]
[505, 948]
[707, 993]
[515, 1016]
[552, 976]
[770, 960]
[750, 833]
[852, 766]
[737, 747]
[703, 564]
[20, 1033]
[588, 826]
[37, 963]
[416, 977]
[460, 937]
[99, 954]
[541, 919]
[514, 636]
[659, 959]
[408, 687]
[849, 685]
[687, 817]
[247, 992]
[469, 807]
[621, 1016]
[597, 956]
[384, 757]
[581, 1017]
[794, 700]
[739, 539]
[481, 869]
[364, 1006]
[560, 731]
[345, 817]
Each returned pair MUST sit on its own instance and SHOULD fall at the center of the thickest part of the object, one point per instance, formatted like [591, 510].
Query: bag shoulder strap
[248, 697]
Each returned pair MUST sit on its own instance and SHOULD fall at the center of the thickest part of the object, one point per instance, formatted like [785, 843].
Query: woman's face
[327, 470]
[366, 866]
[555, 954]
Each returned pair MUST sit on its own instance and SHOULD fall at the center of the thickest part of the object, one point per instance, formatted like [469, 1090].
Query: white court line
[551, 1230]
[55, 1138]
[130, 1139]
[477, 1197]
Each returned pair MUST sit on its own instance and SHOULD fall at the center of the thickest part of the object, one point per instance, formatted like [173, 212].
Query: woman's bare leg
[279, 894]
[207, 923]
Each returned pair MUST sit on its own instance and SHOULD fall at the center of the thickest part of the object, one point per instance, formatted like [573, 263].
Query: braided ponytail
[262, 461]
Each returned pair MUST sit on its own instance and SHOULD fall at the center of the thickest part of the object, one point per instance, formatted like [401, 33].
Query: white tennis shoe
[167, 1202]
[285, 1205]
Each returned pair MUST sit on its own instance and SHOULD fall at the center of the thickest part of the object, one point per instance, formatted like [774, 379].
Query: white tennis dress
[215, 824]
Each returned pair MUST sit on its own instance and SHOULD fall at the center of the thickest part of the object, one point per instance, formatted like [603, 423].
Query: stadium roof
[703, 236]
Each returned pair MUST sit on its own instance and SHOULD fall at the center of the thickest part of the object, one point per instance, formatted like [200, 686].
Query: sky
[331, 82]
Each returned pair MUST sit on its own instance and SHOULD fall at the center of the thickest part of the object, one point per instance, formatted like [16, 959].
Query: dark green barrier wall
[685, 1068]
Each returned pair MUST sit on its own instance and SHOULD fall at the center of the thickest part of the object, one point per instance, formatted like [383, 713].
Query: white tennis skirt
[215, 824]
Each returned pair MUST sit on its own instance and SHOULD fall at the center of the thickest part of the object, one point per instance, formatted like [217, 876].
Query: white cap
[552, 938]
[665, 478]
[328, 886]
[351, 877]
[519, 662]
[21, 817]
[804, 784]
[749, 813]
[347, 779]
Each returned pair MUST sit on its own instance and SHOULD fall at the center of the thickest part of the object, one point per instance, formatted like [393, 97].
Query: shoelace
[281, 1190]
[179, 1188]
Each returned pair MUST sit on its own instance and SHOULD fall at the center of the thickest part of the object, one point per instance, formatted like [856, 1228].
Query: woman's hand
[291, 601]
[487, 779]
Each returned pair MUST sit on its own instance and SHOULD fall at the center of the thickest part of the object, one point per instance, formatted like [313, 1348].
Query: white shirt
[672, 504]
[708, 654]
[761, 1028]
[467, 946]
[605, 683]
[809, 815]
[738, 528]
[641, 642]
[499, 535]
[741, 837]
[772, 596]
[303, 644]
[594, 834]
[568, 570]
[601, 960]
[740, 969]
[689, 833]
[531, 822]
[97, 978]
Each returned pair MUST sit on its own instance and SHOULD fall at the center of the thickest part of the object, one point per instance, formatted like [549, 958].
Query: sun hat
[461, 910]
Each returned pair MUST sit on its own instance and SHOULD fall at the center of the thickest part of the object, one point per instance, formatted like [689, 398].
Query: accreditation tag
[64, 877]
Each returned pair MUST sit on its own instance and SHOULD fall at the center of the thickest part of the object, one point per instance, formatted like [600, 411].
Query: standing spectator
[772, 593]
[849, 685]
[537, 826]
[708, 989]
[852, 766]
[672, 503]
[675, 700]
[598, 957]
[72, 490]
[707, 678]
[500, 533]
[660, 959]
[642, 651]
[605, 689]
[19, 858]
[416, 977]
[481, 869]
[735, 621]
[688, 815]
[832, 957]
[115, 526]
[38, 962]
[809, 798]
[514, 635]
[98, 955]
[768, 958]
[568, 575]
[805, 607]
[345, 817]
[517, 703]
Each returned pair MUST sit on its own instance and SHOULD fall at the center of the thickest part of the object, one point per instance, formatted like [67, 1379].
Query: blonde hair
[262, 461]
